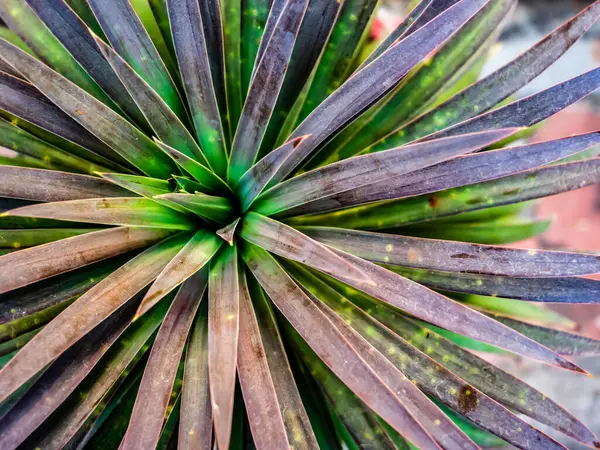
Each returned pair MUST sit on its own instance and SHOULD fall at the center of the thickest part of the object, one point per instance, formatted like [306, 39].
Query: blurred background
[576, 215]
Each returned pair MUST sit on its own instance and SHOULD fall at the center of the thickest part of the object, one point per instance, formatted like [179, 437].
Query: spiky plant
[336, 213]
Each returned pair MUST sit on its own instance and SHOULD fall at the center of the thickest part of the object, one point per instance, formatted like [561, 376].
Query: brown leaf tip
[228, 233]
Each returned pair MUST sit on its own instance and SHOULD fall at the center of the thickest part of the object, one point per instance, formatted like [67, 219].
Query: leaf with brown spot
[454, 256]
[331, 346]
[400, 292]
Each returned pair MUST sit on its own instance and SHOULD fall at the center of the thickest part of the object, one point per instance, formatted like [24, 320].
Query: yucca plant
[336, 210]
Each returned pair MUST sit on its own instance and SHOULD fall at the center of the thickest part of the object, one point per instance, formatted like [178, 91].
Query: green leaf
[78, 413]
[157, 112]
[202, 174]
[75, 36]
[265, 86]
[254, 18]
[231, 16]
[436, 71]
[17, 139]
[223, 332]
[561, 342]
[44, 261]
[550, 290]
[16, 239]
[133, 145]
[129, 38]
[456, 377]
[396, 290]
[133, 211]
[21, 19]
[457, 172]
[368, 85]
[258, 176]
[217, 209]
[194, 63]
[24, 101]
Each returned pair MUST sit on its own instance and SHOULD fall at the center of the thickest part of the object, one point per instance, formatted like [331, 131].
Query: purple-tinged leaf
[331, 346]
[398, 291]
[461, 171]
[161, 118]
[509, 190]
[559, 341]
[129, 211]
[260, 396]
[193, 257]
[530, 110]
[125, 139]
[547, 290]
[274, 13]
[295, 245]
[22, 100]
[86, 313]
[367, 169]
[442, 429]
[217, 209]
[28, 266]
[453, 256]
[227, 233]
[79, 412]
[62, 378]
[195, 423]
[264, 89]
[53, 186]
[498, 86]
[258, 176]
[491, 380]
[127, 36]
[297, 425]
[194, 63]
[422, 13]
[75, 35]
[367, 86]
[462, 381]
[157, 382]
[201, 173]
[223, 331]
